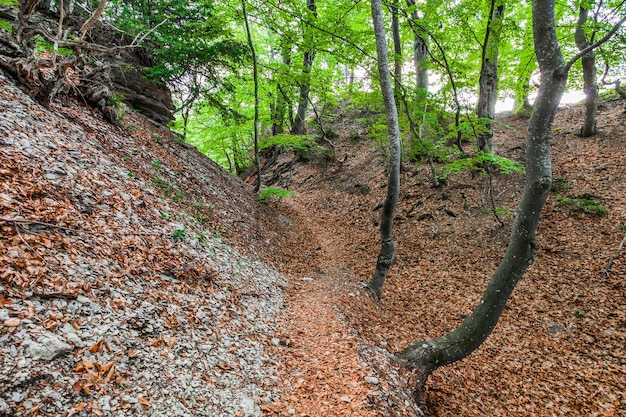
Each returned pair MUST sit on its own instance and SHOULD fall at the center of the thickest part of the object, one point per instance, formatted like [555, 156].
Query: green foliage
[560, 184]
[499, 211]
[8, 2]
[288, 142]
[179, 234]
[479, 163]
[6, 25]
[116, 99]
[271, 193]
[42, 45]
[187, 37]
[585, 203]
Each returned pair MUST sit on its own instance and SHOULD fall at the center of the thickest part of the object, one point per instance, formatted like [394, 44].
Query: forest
[403, 178]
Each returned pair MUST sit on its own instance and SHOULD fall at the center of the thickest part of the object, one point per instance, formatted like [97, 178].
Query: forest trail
[322, 371]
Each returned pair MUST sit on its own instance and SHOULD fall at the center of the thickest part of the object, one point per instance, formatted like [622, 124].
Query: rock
[345, 399]
[371, 380]
[83, 300]
[49, 347]
[555, 328]
[12, 322]
[249, 407]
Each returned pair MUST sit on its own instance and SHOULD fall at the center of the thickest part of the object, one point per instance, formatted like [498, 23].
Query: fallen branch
[609, 264]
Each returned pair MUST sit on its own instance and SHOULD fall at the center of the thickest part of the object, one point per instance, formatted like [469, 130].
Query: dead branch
[90, 22]
[609, 264]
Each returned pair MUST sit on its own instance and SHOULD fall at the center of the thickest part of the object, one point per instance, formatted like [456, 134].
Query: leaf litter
[157, 291]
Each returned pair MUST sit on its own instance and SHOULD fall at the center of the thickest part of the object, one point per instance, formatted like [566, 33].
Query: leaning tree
[423, 357]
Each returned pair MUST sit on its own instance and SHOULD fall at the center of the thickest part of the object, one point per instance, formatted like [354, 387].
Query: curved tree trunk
[298, 127]
[488, 81]
[426, 356]
[387, 253]
[589, 75]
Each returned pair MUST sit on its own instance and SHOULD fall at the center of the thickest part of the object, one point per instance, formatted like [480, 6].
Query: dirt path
[323, 374]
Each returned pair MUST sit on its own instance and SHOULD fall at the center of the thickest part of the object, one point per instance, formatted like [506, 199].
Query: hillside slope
[121, 291]
[559, 348]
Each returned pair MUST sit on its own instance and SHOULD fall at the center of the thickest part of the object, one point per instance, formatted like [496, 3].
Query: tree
[424, 357]
[589, 74]
[387, 253]
[488, 81]
[255, 75]
[298, 127]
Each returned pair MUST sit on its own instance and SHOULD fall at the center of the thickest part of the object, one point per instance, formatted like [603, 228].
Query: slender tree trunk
[525, 68]
[426, 356]
[521, 103]
[420, 50]
[589, 75]
[387, 253]
[255, 74]
[281, 102]
[298, 127]
[397, 46]
[488, 81]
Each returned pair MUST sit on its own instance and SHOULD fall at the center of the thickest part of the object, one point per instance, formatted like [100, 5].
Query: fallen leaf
[12, 322]
[143, 400]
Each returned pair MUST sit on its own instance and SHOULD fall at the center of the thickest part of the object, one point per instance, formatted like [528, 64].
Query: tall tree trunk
[255, 74]
[420, 50]
[589, 75]
[387, 253]
[488, 81]
[281, 102]
[426, 356]
[525, 68]
[298, 127]
[397, 46]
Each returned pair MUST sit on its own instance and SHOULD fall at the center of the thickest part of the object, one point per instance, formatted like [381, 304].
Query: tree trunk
[589, 75]
[420, 50]
[397, 46]
[488, 81]
[524, 70]
[298, 127]
[426, 356]
[255, 74]
[387, 253]
[281, 102]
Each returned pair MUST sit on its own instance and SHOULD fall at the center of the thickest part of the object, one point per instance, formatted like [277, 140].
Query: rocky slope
[121, 292]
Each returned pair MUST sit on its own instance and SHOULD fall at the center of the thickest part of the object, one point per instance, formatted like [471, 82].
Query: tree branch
[590, 48]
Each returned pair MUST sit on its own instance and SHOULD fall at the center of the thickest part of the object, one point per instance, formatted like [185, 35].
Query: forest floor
[138, 278]
[560, 347]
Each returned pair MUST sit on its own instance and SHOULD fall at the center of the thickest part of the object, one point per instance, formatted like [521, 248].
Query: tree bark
[298, 127]
[589, 75]
[426, 356]
[397, 46]
[420, 50]
[488, 81]
[281, 102]
[255, 74]
[387, 253]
